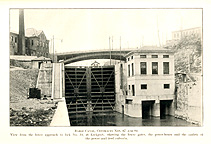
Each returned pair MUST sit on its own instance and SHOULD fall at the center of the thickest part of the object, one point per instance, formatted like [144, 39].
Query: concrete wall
[133, 110]
[189, 102]
[57, 80]
[45, 79]
[23, 64]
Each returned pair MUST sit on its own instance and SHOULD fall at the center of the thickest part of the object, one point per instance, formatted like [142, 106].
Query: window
[143, 56]
[133, 90]
[12, 38]
[15, 39]
[143, 66]
[129, 87]
[154, 56]
[143, 86]
[131, 57]
[32, 42]
[128, 70]
[128, 59]
[165, 67]
[166, 86]
[154, 67]
[132, 69]
[165, 56]
[128, 101]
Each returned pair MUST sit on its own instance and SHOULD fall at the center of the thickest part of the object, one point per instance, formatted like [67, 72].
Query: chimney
[21, 37]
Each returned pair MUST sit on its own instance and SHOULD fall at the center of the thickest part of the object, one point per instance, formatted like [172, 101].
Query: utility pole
[110, 50]
[181, 28]
[53, 48]
[112, 42]
[120, 49]
[158, 32]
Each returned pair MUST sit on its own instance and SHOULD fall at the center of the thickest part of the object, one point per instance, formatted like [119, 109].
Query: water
[118, 119]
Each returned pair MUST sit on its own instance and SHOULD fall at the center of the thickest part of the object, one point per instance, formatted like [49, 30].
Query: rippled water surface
[118, 119]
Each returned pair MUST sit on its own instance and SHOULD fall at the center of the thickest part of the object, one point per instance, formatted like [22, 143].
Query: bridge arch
[80, 56]
[93, 56]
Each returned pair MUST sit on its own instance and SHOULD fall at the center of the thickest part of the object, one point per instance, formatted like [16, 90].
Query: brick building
[36, 43]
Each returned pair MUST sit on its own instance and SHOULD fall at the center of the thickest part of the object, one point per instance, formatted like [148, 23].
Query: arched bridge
[70, 57]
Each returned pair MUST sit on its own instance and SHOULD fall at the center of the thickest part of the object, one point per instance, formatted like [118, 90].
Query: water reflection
[118, 119]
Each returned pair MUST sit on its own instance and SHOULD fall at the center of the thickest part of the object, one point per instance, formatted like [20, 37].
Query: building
[95, 63]
[28, 62]
[36, 43]
[150, 83]
[13, 43]
[177, 35]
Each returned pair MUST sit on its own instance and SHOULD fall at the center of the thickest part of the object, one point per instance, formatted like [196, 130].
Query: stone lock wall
[189, 102]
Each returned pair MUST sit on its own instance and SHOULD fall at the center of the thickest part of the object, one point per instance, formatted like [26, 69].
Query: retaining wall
[189, 102]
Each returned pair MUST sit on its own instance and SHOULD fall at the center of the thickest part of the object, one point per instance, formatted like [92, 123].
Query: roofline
[15, 33]
[149, 51]
[186, 29]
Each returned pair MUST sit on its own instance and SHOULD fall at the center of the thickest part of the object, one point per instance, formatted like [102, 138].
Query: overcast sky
[89, 29]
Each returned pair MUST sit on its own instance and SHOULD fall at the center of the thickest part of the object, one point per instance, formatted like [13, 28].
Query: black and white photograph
[106, 67]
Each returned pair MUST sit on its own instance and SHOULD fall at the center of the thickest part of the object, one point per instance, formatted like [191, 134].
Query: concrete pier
[156, 109]
[57, 81]
[61, 117]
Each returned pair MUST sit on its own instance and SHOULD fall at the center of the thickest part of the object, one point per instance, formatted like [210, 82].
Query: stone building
[36, 43]
[149, 84]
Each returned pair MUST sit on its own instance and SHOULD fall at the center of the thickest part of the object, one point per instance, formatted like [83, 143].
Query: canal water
[118, 119]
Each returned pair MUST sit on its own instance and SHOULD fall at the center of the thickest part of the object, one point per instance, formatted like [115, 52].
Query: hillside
[20, 81]
[24, 111]
[188, 54]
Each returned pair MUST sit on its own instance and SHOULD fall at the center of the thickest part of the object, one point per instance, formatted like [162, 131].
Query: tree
[188, 54]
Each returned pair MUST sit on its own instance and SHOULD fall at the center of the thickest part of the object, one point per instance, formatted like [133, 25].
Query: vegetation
[188, 54]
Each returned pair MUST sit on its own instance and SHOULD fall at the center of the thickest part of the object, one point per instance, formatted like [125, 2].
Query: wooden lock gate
[89, 89]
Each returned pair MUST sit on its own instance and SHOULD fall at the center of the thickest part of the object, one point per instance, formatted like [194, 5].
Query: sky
[90, 29]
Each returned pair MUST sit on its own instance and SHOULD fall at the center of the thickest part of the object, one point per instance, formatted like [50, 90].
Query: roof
[41, 59]
[187, 29]
[22, 58]
[14, 32]
[31, 32]
[150, 49]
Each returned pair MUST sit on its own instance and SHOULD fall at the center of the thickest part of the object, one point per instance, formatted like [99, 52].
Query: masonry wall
[189, 102]
[120, 93]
